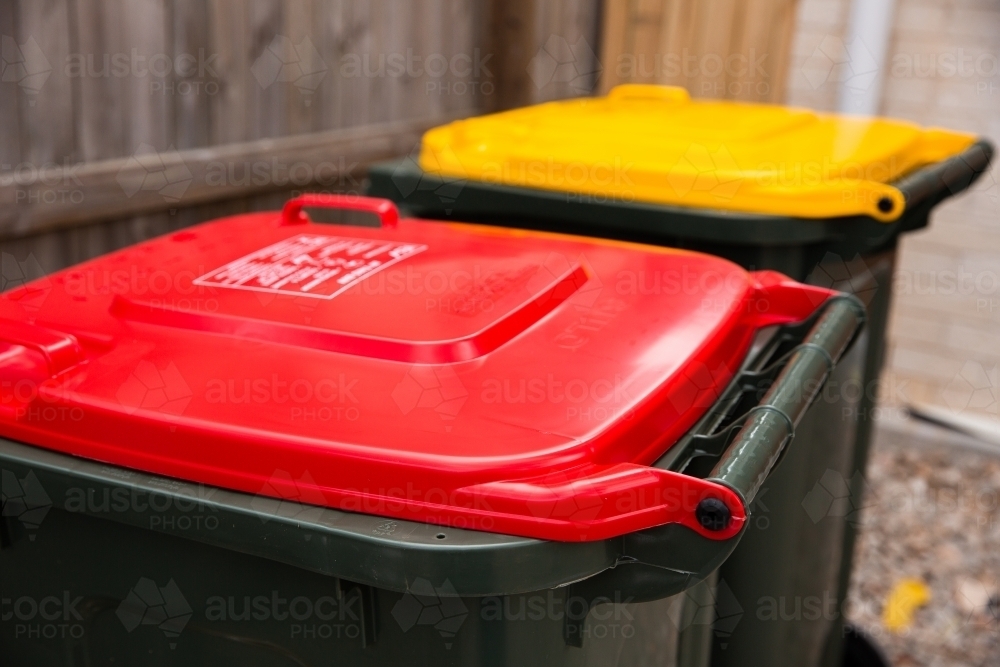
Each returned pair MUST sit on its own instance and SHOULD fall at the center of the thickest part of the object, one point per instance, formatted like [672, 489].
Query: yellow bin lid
[655, 144]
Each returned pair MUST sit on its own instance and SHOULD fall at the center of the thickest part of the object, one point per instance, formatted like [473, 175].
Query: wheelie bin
[269, 441]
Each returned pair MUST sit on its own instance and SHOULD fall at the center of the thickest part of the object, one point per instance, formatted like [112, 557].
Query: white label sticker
[310, 265]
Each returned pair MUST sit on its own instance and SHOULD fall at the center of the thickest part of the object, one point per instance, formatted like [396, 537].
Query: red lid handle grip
[778, 299]
[292, 213]
[61, 350]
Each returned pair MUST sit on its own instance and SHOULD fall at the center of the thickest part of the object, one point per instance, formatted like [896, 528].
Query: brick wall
[944, 70]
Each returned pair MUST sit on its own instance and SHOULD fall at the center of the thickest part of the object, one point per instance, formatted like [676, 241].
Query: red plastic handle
[780, 300]
[61, 350]
[292, 213]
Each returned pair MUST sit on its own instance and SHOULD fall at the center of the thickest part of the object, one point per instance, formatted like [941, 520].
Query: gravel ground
[931, 514]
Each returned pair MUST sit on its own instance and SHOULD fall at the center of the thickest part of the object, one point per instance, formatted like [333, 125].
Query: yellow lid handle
[645, 91]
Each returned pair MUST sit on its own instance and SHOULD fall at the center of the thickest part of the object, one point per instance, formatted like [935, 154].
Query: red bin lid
[484, 378]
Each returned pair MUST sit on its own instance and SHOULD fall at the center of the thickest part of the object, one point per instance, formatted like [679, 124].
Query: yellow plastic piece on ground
[905, 598]
[655, 144]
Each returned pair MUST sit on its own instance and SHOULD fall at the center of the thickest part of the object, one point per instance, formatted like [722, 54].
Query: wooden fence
[126, 119]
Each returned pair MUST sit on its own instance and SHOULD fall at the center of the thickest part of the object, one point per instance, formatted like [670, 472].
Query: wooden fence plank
[779, 51]
[103, 76]
[478, 16]
[574, 21]
[300, 97]
[229, 38]
[646, 21]
[354, 97]
[549, 31]
[513, 40]
[407, 94]
[318, 111]
[149, 118]
[376, 83]
[457, 38]
[677, 39]
[188, 90]
[332, 32]
[613, 44]
[46, 111]
[266, 93]
[432, 41]
[587, 17]
[10, 134]
[716, 23]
